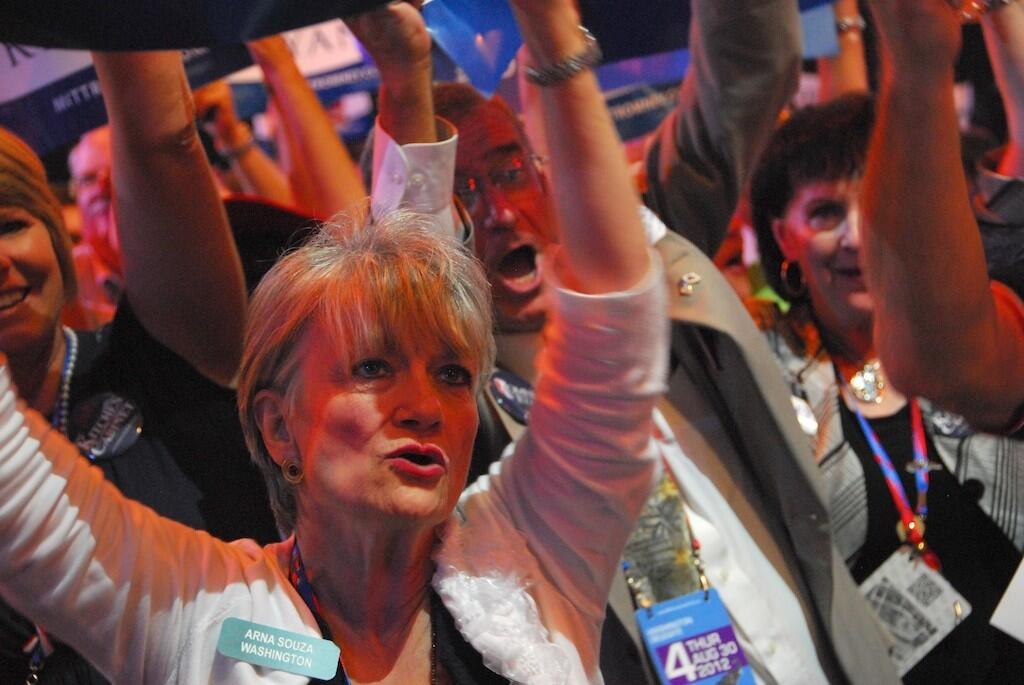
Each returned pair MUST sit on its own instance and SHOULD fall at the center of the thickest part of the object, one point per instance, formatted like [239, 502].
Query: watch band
[552, 74]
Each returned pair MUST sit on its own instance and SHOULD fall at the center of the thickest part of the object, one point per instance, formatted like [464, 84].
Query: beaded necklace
[59, 418]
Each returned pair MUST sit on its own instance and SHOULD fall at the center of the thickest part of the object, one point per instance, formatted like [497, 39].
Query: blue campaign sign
[640, 92]
[50, 97]
[819, 29]
[479, 35]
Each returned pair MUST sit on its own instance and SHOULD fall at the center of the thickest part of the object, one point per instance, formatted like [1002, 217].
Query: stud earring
[292, 471]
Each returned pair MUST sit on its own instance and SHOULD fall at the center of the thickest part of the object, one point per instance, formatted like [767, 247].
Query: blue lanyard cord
[912, 520]
[299, 579]
[892, 477]
[921, 470]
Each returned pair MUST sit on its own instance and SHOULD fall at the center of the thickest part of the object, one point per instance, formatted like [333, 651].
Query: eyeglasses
[514, 175]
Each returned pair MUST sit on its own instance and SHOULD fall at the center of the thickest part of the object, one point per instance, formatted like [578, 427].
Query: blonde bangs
[391, 302]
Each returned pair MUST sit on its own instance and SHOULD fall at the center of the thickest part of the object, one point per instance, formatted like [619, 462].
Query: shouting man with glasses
[501, 185]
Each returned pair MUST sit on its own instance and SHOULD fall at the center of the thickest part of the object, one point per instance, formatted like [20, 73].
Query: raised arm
[257, 173]
[413, 151]
[326, 179]
[1004, 37]
[183, 277]
[745, 61]
[579, 476]
[846, 71]
[594, 200]
[938, 329]
[126, 588]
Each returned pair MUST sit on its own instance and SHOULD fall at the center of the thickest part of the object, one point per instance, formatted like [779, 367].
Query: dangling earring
[792, 278]
[292, 471]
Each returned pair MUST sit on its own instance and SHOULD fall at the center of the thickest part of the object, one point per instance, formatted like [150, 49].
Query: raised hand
[215, 110]
[395, 37]
[920, 38]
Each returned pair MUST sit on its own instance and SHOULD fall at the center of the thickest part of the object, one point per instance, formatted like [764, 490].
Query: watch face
[105, 425]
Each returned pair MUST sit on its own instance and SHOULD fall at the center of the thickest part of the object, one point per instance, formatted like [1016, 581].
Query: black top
[977, 558]
[454, 654]
[188, 462]
[463, 664]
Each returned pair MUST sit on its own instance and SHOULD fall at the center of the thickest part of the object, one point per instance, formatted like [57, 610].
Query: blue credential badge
[278, 649]
[691, 640]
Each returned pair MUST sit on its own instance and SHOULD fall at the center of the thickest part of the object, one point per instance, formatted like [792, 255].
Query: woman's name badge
[917, 606]
[690, 639]
[278, 649]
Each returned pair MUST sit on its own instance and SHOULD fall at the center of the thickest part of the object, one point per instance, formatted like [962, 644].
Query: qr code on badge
[924, 590]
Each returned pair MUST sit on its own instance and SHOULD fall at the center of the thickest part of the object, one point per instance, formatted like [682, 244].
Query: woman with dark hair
[901, 474]
[365, 351]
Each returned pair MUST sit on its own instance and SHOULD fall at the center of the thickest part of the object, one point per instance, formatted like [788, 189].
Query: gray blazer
[734, 419]
[729, 406]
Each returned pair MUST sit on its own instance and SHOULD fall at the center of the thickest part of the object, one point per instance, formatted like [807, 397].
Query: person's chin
[522, 315]
[856, 312]
[22, 324]
[428, 506]
[861, 301]
[520, 324]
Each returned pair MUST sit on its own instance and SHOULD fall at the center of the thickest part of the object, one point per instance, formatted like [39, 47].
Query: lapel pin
[688, 282]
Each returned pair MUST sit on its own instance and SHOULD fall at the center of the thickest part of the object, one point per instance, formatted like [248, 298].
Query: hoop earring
[292, 471]
[792, 279]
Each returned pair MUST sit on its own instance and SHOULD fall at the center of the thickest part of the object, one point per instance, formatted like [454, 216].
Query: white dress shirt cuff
[417, 176]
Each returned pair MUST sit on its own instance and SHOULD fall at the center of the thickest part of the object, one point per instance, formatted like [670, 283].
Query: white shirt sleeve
[417, 176]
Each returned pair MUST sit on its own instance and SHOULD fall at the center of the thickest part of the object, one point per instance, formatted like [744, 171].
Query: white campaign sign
[317, 49]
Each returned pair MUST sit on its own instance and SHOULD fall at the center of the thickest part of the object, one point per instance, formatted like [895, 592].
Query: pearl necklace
[59, 419]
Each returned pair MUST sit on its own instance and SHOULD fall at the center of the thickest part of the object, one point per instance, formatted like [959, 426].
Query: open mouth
[425, 463]
[418, 459]
[99, 206]
[518, 269]
[13, 297]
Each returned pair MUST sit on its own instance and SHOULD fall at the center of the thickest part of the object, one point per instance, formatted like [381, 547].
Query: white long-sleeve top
[524, 566]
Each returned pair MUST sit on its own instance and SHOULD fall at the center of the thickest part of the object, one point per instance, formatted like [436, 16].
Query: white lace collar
[496, 614]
